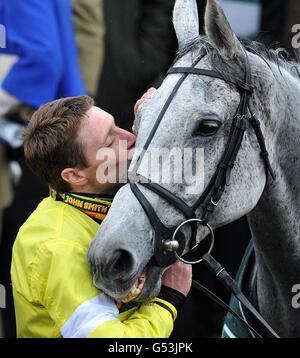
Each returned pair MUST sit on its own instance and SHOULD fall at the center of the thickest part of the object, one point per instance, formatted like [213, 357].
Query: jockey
[53, 287]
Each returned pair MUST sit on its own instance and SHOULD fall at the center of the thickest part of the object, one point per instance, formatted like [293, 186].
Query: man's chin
[152, 285]
[148, 294]
[109, 188]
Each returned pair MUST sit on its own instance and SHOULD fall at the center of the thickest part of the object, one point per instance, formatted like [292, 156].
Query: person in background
[41, 35]
[41, 64]
[89, 26]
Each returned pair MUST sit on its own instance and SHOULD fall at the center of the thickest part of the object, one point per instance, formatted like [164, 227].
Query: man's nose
[130, 138]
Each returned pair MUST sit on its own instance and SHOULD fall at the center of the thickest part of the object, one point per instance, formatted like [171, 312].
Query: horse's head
[198, 123]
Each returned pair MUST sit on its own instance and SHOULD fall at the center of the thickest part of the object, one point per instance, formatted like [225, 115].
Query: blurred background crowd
[113, 50]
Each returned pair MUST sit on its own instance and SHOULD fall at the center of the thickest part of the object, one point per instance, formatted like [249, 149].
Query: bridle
[169, 242]
[210, 198]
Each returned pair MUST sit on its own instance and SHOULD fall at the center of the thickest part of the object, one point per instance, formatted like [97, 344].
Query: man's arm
[81, 311]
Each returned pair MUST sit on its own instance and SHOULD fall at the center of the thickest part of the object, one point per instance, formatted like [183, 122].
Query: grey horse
[123, 246]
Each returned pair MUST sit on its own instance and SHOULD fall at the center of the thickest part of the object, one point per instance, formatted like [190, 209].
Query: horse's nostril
[120, 265]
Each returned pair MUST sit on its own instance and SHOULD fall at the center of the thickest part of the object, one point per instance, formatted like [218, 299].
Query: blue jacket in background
[40, 33]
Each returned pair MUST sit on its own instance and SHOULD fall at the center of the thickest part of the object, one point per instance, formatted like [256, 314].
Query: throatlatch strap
[261, 141]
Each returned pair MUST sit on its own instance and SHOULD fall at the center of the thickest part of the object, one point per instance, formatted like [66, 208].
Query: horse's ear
[186, 21]
[219, 31]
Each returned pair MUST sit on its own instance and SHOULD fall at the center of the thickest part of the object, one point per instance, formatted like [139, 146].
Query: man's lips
[137, 288]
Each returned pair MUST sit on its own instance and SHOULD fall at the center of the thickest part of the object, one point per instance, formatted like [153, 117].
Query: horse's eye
[207, 128]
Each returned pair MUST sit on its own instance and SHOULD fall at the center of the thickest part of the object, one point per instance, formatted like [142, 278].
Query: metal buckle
[173, 240]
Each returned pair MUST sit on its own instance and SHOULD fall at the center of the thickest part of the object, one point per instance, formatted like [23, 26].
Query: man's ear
[74, 177]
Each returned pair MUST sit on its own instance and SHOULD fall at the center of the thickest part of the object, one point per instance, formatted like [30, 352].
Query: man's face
[108, 150]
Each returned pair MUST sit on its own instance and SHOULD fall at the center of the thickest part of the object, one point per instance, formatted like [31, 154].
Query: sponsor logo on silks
[2, 297]
[97, 208]
[296, 297]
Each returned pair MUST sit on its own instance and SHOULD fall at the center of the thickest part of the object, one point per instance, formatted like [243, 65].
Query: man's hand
[144, 97]
[178, 277]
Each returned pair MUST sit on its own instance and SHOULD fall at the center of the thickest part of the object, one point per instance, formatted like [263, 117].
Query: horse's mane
[277, 56]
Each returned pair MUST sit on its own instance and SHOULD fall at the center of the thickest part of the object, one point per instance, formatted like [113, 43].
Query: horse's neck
[275, 226]
[276, 234]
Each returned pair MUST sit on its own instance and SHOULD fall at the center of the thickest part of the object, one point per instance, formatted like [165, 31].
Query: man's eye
[207, 127]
